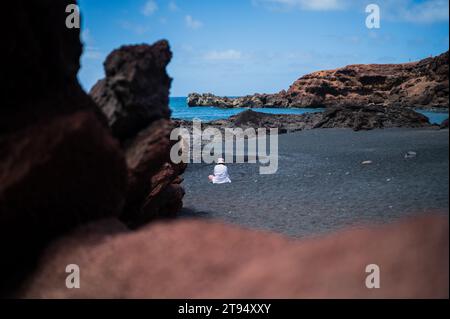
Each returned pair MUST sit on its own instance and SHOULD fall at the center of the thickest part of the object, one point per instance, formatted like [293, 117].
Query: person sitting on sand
[220, 173]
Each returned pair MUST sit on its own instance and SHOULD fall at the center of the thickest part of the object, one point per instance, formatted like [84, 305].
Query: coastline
[321, 185]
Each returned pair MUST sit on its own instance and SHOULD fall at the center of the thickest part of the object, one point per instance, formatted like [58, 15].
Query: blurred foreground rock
[198, 259]
[59, 165]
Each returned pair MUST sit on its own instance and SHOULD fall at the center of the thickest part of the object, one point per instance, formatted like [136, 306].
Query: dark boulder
[135, 91]
[59, 165]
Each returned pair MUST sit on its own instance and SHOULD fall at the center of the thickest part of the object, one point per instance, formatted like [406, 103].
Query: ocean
[181, 110]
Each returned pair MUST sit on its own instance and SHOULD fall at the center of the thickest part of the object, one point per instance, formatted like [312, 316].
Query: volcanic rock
[152, 177]
[59, 165]
[134, 96]
[135, 91]
[199, 259]
[364, 118]
[422, 84]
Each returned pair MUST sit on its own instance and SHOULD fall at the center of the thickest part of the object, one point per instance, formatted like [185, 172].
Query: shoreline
[321, 185]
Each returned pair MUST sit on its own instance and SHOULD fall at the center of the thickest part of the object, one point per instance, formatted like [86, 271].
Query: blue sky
[238, 47]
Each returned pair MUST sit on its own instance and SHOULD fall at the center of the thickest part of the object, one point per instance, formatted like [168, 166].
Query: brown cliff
[422, 84]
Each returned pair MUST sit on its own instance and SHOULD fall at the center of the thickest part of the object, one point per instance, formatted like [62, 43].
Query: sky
[239, 47]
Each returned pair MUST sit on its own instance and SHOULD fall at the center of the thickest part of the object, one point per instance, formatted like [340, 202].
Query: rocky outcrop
[59, 165]
[422, 84]
[364, 118]
[199, 259]
[135, 91]
[134, 96]
[444, 124]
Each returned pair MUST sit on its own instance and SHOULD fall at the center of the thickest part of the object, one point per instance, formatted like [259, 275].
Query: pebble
[410, 154]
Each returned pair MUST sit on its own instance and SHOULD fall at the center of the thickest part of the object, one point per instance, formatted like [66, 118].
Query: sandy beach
[322, 186]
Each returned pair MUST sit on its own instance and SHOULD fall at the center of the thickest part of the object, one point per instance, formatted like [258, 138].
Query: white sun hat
[220, 160]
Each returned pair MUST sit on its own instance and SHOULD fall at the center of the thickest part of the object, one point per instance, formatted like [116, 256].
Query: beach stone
[200, 259]
[410, 154]
[444, 124]
[135, 91]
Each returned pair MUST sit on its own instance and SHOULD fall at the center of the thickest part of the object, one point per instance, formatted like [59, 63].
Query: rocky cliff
[422, 84]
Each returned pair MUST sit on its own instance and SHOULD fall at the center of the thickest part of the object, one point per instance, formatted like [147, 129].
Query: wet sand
[321, 185]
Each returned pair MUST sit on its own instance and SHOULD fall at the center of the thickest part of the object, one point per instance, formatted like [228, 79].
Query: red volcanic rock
[135, 91]
[153, 181]
[198, 259]
[134, 96]
[59, 165]
[418, 84]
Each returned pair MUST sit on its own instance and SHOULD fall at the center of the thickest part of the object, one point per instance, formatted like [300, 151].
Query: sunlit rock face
[422, 84]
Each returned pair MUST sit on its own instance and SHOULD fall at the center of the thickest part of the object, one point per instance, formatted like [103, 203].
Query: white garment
[221, 175]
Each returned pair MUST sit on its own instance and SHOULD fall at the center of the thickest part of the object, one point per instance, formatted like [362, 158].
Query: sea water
[181, 110]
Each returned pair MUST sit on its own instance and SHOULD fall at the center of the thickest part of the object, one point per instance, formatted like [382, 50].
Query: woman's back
[221, 174]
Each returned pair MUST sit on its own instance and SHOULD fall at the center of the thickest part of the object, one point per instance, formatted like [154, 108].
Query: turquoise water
[434, 117]
[181, 110]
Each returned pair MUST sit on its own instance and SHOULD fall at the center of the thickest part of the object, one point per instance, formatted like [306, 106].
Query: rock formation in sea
[422, 84]
[200, 259]
[356, 118]
[134, 96]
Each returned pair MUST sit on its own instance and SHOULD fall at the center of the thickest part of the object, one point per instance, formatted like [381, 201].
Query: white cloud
[192, 23]
[149, 8]
[135, 28]
[313, 5]
[425, 11]
[173, 6]
[92, 53]
[223, 55]
[428, 11]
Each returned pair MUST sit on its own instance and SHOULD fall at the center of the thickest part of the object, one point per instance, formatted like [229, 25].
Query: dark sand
[321, 185]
